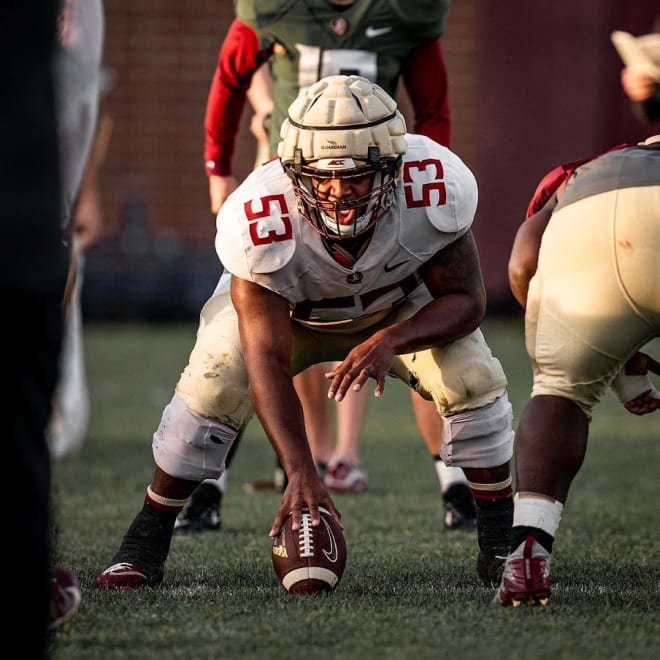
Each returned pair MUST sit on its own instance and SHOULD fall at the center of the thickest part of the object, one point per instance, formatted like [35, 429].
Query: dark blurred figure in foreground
[34, 264]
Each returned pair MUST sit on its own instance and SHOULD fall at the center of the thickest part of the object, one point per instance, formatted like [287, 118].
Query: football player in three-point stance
[301, 41]
[354, 246]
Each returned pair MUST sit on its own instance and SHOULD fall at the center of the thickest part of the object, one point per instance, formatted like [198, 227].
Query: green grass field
[410, 588]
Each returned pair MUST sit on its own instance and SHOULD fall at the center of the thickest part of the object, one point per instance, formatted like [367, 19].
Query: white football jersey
[262, 237]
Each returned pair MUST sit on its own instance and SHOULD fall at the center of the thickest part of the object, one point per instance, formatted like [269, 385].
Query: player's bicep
[455, 270]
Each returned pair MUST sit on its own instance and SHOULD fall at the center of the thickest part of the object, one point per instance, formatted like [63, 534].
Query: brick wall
[163, 54]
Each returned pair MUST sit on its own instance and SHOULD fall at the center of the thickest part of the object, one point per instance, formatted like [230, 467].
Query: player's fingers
[340, 384]
[314, 514]
[380, 387]
[296, 515]
[360, 380]
[643, 404]
[277, 525]
[334, 386]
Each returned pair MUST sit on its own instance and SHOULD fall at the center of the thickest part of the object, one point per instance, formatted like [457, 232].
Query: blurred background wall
[531, 85]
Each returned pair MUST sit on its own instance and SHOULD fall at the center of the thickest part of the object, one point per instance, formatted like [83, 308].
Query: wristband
[626, 387]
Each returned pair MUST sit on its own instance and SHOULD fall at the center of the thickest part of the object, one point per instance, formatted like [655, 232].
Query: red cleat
[64, 597]
[123, 576]
[526, 577]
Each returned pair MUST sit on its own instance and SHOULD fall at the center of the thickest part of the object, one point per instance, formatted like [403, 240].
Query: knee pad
[190, 446]
[461, 377]
[480, 438]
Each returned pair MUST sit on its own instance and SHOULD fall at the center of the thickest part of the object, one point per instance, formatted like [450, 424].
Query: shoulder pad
[437, 180]
[255, 225]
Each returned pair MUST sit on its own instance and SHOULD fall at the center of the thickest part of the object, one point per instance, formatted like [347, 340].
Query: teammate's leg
[344, 474]
[459, 511]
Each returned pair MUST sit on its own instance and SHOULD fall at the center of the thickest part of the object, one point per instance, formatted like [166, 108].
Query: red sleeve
[555, 177]
[425, 77]
[238, 59]
[548, 184]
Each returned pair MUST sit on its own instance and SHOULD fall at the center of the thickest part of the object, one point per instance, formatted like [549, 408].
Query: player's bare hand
[644, 403]
[370, 359]
[637, 84]
[87, 218]
[304, 490]
[220, 187]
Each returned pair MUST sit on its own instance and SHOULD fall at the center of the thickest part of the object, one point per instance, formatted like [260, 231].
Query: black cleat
[460, 512]
[202, 513]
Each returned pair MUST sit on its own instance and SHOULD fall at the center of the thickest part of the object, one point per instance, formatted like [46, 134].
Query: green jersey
[310, 39]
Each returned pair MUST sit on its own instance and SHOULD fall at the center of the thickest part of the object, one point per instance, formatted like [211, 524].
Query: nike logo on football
[372, 32]
[389, 268]
[331, 554]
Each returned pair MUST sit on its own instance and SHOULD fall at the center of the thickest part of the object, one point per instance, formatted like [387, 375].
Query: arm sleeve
[555, 177]
[238, 59]
[547, 187]
[425, 77]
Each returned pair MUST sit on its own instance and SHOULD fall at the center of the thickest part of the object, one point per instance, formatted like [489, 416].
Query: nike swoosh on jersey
[371, 32]
[389, 268]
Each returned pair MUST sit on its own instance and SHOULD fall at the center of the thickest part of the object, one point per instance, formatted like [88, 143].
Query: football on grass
[311, 559]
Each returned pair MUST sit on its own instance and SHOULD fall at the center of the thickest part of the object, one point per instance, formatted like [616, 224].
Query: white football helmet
[343, 127]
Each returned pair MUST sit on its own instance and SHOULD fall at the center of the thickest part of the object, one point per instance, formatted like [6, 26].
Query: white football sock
[448, 476]
[220, 482]
[534, 510]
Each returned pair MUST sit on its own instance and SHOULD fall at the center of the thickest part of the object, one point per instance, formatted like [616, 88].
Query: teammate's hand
[637, 84]
[220, 187]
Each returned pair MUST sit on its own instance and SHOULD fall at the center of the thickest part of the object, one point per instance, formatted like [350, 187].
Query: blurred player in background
[80, 36]
[387, 42]
[642, 85]
[644, 90]
[356, 246]
[70, 418]
[585, 265]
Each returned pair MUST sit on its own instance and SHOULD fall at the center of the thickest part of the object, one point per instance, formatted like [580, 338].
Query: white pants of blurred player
[70, 416]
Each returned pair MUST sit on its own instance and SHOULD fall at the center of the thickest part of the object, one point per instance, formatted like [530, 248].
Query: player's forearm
[278, 408]
[439, 323]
